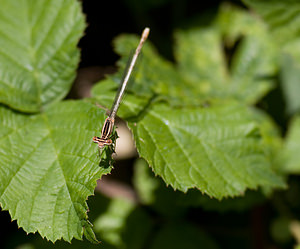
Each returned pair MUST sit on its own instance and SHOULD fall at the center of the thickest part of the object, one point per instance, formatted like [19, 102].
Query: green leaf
[234, 23]
[253, 63]
[289, 75]
[282, 17]
[153, 192]
[111, 222]
[182, 235]
[38, 54]
[89, 233]
[150, 68]
[290, 158]
[271, 136]
[216, 149]
[144, 182]
[280, 229]
[49, 166]
[202, 60]
[121, 226]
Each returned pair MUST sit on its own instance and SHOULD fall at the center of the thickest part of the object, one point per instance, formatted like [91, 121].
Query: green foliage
[290, 157]
[38, 54]
[205, 63]
[121, 226]
[282, 17]
[283, 20]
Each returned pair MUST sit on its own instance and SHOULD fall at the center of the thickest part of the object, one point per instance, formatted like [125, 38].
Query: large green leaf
[49, 166]
[290, 158]
[289, 75]
[121, 226]
[200, 58]
[217, 149]
[38, 54]
[282, 17]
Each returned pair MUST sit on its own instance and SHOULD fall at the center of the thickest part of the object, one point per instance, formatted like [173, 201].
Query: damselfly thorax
[105, 133]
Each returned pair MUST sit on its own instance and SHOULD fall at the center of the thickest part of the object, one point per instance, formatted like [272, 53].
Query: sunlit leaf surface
[49, 166]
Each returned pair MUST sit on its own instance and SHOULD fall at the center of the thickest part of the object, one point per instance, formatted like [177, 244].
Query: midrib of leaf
[46, 37]
[15, 61]
[62, 171]
[166, 161]
[33, 41]
[38, 189]
[229, 163]
[12, 131]
[41, 66]
[33, 57]
[49, 27]
[182, 148]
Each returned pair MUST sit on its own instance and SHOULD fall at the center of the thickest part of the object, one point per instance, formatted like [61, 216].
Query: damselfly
[110, 120]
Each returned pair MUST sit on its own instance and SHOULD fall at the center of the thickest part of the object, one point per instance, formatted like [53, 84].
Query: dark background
[107, 19]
